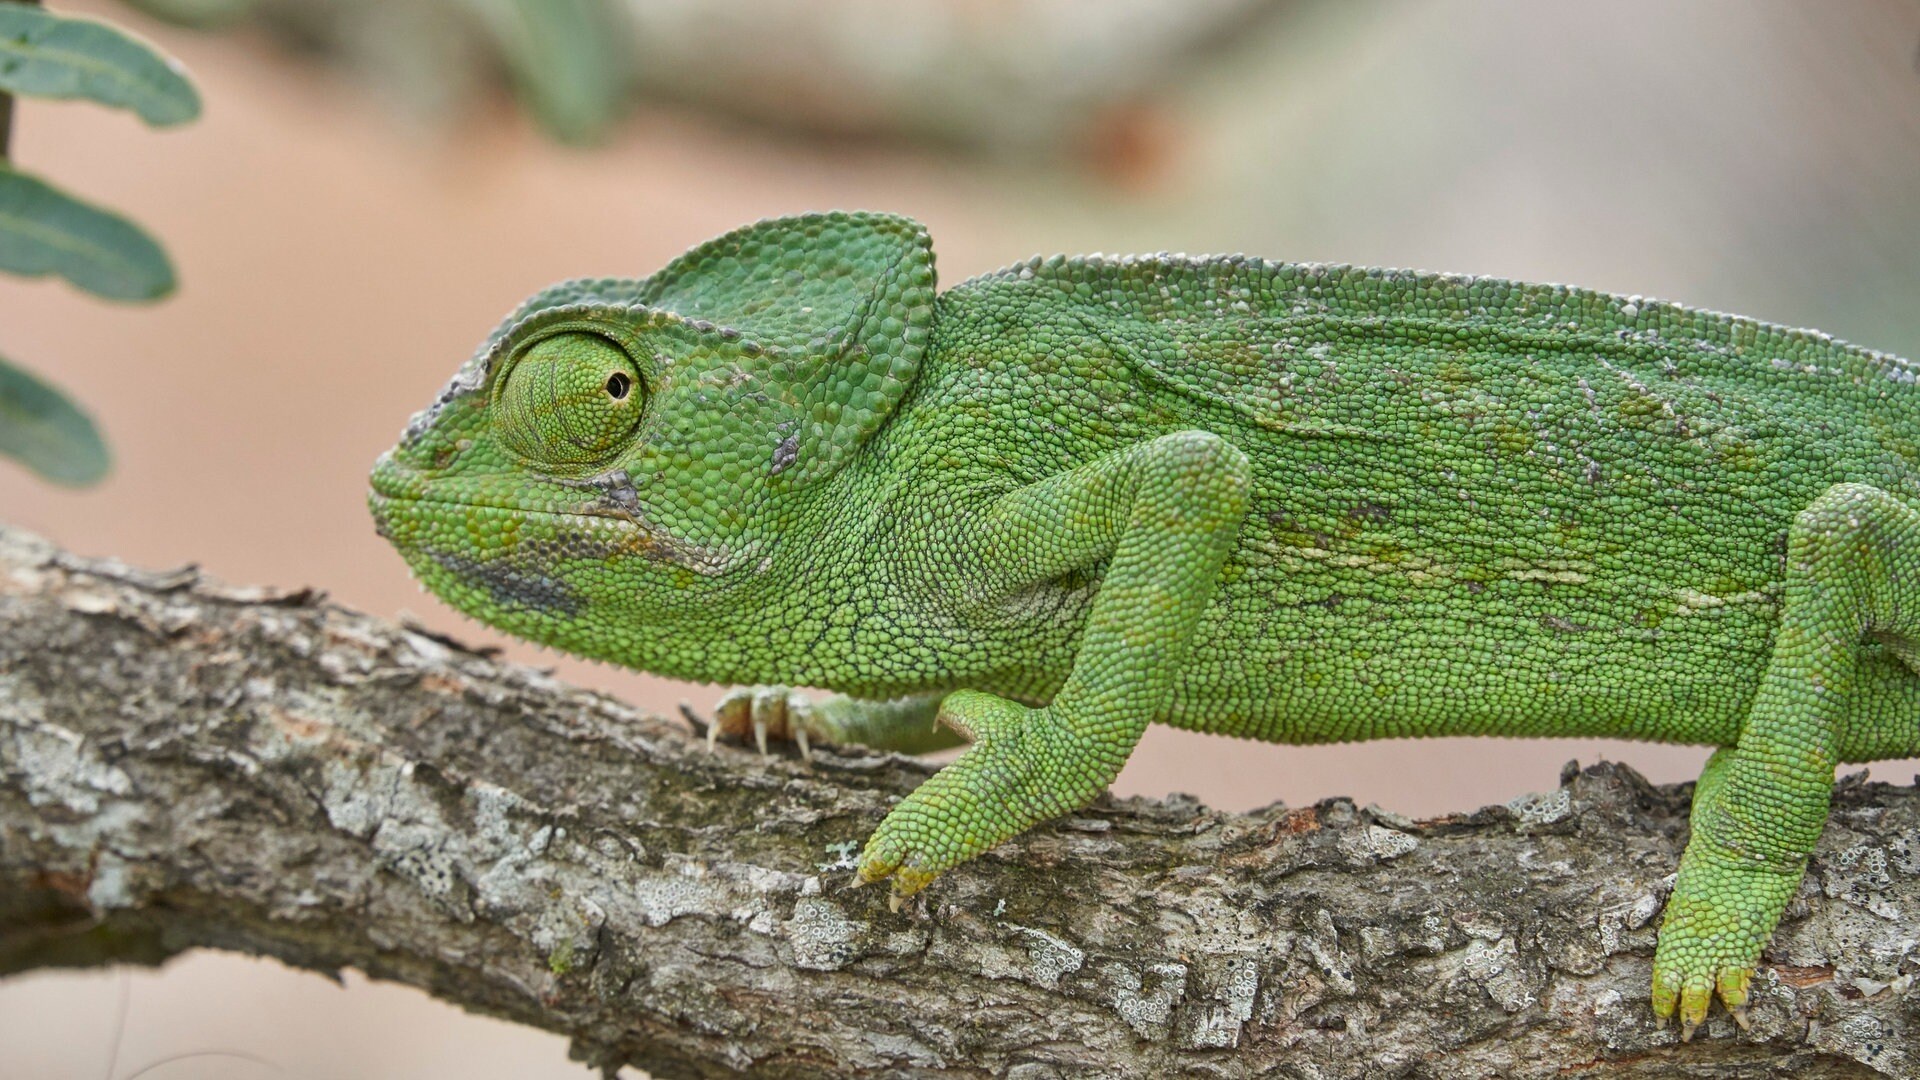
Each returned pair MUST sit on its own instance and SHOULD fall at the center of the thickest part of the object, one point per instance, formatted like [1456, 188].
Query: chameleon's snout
[393, 482]
[389, 487]
[402, 497]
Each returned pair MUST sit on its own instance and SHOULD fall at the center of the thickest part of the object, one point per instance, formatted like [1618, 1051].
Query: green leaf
[200, 14]
[46, 432]
[43, 231]
[570, 59]
[47, 55]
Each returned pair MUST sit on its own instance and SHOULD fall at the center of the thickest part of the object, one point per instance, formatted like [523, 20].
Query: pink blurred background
[338, 261]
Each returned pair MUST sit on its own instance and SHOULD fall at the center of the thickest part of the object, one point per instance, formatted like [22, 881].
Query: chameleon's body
[1301, 504]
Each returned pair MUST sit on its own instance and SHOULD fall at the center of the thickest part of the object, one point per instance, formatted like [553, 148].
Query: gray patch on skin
[510, 585]
[785, 454]
[619, 499]
[617, 488]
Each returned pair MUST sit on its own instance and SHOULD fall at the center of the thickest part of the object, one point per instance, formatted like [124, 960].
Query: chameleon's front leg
[1853, 569]
[1162, 516]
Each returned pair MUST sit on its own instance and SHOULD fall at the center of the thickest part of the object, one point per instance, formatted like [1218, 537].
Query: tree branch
[185, 765]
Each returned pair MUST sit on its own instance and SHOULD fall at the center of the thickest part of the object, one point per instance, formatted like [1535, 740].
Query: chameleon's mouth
[409, 509]
[394, 486]
[488, 559]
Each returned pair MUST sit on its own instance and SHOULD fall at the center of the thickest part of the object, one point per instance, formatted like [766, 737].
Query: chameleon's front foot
[1024, 767]
[1718, 919]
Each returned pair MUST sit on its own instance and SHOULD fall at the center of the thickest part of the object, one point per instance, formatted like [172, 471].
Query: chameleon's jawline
[636, 535]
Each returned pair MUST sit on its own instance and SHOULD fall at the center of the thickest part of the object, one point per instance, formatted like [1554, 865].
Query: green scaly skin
[1295, 503]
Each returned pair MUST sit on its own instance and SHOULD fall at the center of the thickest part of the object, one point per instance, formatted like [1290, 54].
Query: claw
[693, 719]
[1666, 1001]
[806, 748]
[1687, 1026]
[760, 734]
[728, 716]
[894, 900]
[1739, 1014]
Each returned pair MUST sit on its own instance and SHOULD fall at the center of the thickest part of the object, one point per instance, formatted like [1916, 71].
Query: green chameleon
[1301, 503]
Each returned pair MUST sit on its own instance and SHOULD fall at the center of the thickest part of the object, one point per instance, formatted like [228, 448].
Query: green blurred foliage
[45, 55]
[570, 59]
[570, 62]
[46, 231]
[45, 431]
[202, 14]
[1035, 79]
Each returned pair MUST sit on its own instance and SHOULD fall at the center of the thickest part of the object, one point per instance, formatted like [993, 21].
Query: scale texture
[1299, 503]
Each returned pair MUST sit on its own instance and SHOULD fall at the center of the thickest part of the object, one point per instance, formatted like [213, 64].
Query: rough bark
[184, 765]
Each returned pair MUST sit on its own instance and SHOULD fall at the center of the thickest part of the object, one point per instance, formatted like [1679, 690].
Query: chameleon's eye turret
[569, 399]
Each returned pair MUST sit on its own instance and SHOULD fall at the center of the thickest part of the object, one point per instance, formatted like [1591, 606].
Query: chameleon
[1303, 503]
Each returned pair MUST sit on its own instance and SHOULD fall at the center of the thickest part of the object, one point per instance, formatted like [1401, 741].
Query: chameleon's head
[620, 451]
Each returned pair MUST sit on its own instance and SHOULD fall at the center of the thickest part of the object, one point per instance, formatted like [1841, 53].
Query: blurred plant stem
[6, 109]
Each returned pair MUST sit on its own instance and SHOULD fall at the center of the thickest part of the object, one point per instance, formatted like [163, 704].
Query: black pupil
[618, 385]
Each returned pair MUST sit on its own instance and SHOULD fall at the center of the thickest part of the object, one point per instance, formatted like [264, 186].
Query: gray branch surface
[185, 765]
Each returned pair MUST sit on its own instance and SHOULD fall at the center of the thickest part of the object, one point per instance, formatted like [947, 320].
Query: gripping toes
[1684, 983]
[761, 713]
[1006, 782]
[1717, 922]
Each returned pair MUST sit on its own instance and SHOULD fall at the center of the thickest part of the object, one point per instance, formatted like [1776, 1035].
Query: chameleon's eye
[569, 399]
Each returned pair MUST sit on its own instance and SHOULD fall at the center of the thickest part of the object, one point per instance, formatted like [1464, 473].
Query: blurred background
[373, 183]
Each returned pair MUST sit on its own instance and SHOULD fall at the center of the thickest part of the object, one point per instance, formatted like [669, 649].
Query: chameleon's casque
[1299, 503]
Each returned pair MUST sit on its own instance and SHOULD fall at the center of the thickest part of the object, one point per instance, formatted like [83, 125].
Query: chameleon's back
[1586, 484]
[1500, 369]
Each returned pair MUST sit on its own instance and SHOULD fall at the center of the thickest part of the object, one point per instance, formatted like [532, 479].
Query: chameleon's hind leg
[1853, 570]
[760, 713]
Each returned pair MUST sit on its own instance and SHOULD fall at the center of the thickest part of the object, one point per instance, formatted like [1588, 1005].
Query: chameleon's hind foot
[1677, 991]
[1687, 991]
[761, 713]
[1718, 919]
[775, 714]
